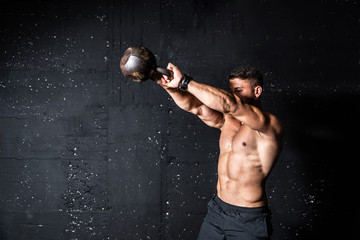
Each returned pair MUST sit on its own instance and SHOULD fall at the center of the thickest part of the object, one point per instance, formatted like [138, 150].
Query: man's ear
[258, 91]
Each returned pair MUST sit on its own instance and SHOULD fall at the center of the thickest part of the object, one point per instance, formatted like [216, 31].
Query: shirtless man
[250, 142]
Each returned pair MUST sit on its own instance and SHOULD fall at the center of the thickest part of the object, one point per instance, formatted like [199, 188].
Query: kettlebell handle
[165, 72]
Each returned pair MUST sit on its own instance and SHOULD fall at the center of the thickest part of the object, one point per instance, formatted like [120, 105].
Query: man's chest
[236, 137]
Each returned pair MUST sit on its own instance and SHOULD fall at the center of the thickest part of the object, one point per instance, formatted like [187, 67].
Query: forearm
[215, 98]
[184, 100]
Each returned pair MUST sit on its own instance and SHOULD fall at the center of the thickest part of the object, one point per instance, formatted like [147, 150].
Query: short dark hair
[249, 73]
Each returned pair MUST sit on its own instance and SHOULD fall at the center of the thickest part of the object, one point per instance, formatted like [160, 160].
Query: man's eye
[237, 90]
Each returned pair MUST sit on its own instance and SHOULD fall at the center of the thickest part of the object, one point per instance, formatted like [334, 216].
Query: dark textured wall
[87, 154]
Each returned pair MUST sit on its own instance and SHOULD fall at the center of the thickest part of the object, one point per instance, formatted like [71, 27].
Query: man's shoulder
[275, 125]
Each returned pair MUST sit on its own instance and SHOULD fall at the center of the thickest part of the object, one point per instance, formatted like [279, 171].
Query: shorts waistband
[228, 207]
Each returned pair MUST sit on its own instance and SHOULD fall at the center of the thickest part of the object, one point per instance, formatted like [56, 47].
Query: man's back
[246, 158]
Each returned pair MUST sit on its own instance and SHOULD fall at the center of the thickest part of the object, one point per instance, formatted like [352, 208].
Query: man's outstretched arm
[190, 103]
[228, 103]
[224, 102]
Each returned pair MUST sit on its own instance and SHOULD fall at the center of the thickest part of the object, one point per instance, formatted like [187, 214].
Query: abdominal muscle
[241, 179]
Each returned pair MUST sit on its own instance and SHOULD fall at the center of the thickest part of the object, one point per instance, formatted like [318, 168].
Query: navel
[244, 144]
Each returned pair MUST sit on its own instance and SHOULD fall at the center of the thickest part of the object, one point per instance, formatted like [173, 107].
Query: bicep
[255, 118]
[209, 116]
[252, 116]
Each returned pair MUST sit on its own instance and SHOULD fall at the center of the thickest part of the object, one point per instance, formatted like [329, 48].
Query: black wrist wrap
[184, 81]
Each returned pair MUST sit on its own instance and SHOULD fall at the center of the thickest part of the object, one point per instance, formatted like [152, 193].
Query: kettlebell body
[139, 64]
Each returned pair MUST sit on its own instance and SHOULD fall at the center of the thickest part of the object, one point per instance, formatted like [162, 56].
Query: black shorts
[226, 221]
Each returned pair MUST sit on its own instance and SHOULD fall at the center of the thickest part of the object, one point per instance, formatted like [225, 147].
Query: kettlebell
[139, 64]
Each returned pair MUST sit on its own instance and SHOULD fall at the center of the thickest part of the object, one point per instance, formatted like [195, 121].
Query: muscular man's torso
[246, 158]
